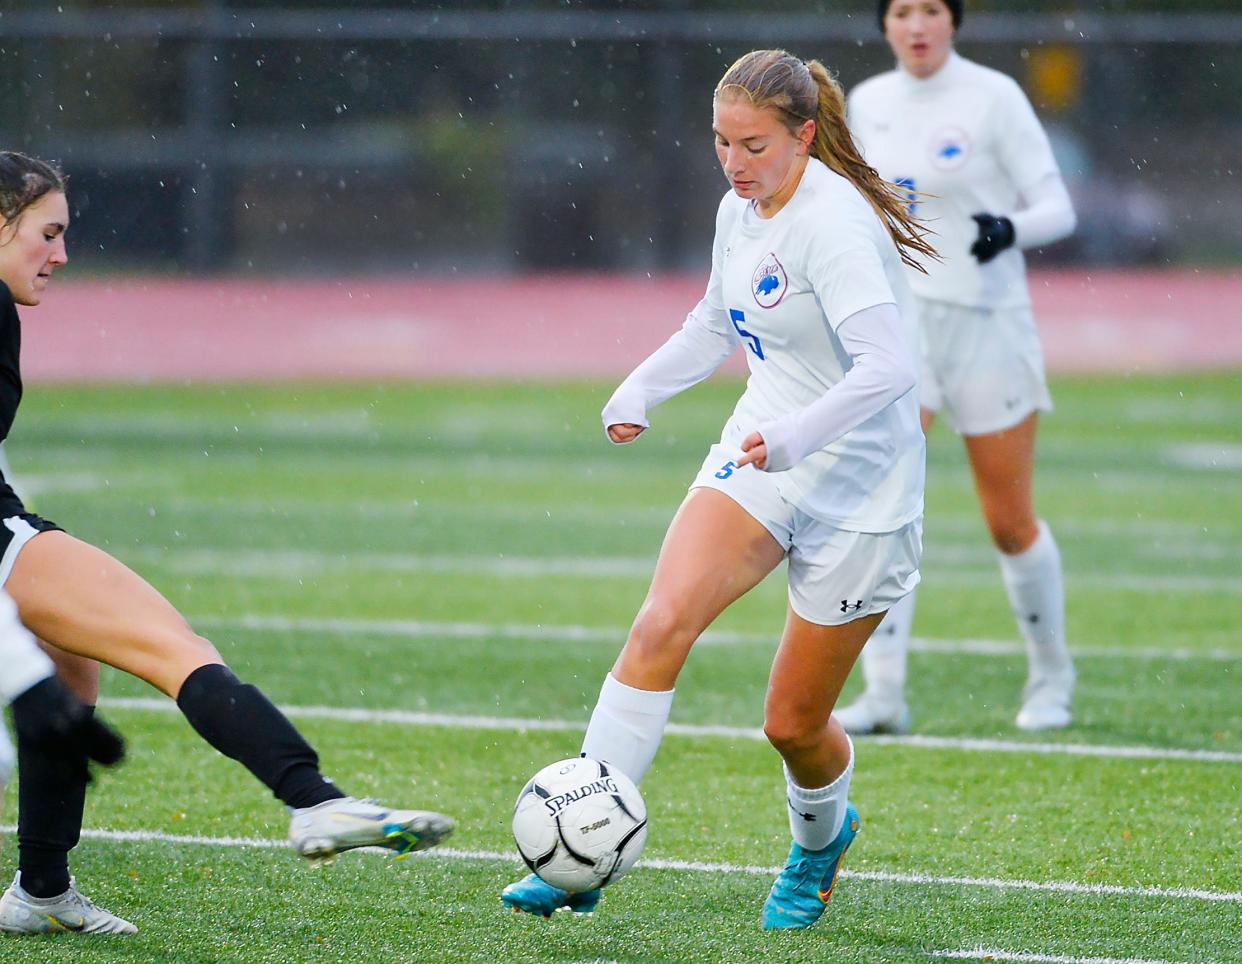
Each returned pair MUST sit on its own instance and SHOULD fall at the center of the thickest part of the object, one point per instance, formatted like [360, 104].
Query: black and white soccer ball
[580, 824]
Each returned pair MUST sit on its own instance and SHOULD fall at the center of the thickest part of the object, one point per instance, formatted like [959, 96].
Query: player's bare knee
[1013, 537]
[659, 631]
[792, 734]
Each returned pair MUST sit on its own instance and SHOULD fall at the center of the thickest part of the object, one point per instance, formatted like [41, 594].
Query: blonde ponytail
[834, 146]
[800, 91]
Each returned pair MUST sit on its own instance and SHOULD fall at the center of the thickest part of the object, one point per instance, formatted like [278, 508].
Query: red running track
[555, 325]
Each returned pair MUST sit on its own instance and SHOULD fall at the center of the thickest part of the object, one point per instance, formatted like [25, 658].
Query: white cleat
[872, 714]
[319, 833]
[1046, 703]
[20, 913]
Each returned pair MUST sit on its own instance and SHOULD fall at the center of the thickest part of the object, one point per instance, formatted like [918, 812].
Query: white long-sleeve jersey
[967, 140]
[781, 288]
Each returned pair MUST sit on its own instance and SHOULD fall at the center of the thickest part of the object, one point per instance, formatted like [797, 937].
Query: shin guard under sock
[242, 723]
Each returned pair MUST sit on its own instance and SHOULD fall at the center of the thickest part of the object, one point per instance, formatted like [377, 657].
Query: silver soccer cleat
[319, 833]
[20, 913]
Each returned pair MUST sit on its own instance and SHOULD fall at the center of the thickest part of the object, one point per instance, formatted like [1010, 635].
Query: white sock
[884, 656]
[627, 726]
[1033, 581]
[816, 816]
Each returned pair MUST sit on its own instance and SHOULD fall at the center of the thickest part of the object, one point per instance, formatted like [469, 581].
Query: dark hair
[955, 11]
[23, 180]
[799, 92]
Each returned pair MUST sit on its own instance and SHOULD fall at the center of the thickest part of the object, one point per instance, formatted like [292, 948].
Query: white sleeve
[1022, 144]
[844, 261]
[705, 340]
[883, 370]
[1047, 216]
[22, 662]
[684, 360]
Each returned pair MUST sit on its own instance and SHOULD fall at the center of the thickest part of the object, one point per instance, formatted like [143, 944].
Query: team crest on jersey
[769, 282]
[950, 148]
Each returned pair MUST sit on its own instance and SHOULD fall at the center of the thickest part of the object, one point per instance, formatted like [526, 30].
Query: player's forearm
[688, 357]
[1048, 216]
[882, 372]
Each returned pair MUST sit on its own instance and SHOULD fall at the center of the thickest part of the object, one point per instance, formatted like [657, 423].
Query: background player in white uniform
[821, 462]
[965, 142]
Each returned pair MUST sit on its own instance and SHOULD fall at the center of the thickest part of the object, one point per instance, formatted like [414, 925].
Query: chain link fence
[496, 137]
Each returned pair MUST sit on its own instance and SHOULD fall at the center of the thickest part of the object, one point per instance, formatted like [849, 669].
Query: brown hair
[23, 180]
[800, 91]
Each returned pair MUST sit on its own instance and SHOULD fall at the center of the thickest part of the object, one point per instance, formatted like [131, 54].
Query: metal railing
[206, 153]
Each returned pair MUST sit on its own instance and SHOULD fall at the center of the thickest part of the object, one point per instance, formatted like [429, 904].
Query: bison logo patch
[769, 282]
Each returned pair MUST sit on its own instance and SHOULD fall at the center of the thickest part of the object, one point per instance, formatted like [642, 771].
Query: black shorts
[16, 529]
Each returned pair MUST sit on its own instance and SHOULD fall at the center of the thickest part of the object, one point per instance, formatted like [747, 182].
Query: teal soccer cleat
[801, 892]
[535, 896]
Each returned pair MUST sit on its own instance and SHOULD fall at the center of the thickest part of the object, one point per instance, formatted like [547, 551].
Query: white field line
[987, 954]
[32, 485]
[294, 563]
[299, 562]
[419, 629]
[1141, 531]
[1221, 456]
[449, 853]
[520, 724]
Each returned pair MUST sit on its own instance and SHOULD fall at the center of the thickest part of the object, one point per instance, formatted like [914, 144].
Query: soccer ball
[580, 824]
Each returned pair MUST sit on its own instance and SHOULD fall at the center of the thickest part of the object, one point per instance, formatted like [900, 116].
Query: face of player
[920, 33]
[33, 247]
[759, 155]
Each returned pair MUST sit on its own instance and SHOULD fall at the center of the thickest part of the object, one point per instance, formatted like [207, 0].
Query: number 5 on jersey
[911, 191]
[738, 318]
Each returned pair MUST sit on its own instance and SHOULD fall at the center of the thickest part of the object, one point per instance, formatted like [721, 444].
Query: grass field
[458, 564]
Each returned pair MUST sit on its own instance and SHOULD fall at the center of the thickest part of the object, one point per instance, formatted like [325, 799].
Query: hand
[754, 451]
[49, 716]
[995, 235]
[624, 432]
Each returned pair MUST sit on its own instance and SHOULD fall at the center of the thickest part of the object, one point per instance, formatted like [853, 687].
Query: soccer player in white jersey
[821, 462]
[965, 142]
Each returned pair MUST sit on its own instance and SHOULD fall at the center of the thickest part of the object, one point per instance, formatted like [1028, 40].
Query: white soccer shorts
[982, 368]
[835, 575]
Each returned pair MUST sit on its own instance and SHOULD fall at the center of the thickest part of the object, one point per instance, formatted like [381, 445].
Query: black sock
[51, 793]
[240, 722]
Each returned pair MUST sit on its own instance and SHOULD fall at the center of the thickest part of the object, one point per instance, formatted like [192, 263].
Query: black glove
[995, 235]
[50, 717]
